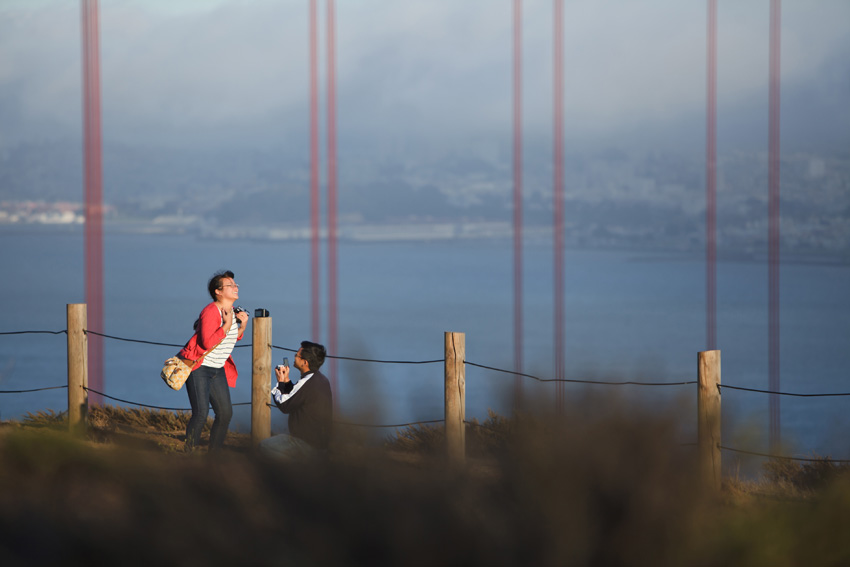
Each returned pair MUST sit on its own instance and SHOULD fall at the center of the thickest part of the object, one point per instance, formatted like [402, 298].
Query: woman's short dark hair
[314, 354]
[215, 282]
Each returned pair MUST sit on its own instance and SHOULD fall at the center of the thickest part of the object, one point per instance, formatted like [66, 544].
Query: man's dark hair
[314, 354]
[215, 282]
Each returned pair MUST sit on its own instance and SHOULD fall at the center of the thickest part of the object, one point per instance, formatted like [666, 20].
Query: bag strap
[194, 362]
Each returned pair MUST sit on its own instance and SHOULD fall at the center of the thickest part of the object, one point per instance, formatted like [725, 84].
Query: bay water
[629, 316]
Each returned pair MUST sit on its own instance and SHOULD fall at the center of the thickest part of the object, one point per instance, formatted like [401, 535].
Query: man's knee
[283, 445]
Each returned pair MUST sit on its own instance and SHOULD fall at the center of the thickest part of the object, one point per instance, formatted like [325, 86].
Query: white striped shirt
[219, 354]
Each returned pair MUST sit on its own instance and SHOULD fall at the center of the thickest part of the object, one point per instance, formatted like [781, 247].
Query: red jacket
[208, 334]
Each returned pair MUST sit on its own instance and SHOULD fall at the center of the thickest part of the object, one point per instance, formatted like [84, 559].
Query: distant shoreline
[437, 232]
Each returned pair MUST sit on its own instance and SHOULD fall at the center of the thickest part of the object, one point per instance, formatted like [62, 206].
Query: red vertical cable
[558, 191]
[518, 311]
[332, 193]
[93, 175]
[773, 226]
[314, 172]
[711, 182]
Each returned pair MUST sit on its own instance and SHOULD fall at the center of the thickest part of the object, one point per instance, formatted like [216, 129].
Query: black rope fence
[435, 361]
[368, 359]
[149, 406]
[62, 332]
[575, 381]
[467, 362]
[175, 345]
[33, 390]
[378, 426]
[726, 386]
[396, 425]
[783, 457]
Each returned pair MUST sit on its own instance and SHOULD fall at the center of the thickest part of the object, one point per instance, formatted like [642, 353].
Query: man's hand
[282, 373]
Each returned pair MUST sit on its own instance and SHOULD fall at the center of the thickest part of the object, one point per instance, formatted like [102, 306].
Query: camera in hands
[237, 309]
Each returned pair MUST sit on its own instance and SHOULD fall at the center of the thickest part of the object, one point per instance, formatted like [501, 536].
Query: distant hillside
[612, 197]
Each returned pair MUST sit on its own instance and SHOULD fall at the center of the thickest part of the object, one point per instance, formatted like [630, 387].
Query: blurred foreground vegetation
[606, 488]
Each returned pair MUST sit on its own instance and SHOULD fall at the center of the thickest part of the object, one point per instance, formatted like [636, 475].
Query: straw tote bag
[176, 370]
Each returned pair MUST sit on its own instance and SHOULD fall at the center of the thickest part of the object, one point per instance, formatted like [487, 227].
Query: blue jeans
[208, 386]
[285, 446]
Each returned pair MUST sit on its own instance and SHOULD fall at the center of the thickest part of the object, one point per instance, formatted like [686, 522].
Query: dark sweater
[310, 407]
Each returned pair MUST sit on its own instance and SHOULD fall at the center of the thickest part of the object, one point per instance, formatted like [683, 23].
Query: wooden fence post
[455, 348]
[261, 426]
[78, 367]
[708, 411]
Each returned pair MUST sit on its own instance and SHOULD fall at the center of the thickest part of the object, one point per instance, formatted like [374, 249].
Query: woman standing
[217, 328]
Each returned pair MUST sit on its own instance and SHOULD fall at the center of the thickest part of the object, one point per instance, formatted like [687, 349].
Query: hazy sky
[227, 71]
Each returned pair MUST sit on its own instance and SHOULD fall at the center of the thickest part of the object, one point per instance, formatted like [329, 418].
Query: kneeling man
[309, 404]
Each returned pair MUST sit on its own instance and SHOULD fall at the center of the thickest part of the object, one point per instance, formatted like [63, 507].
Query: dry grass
[786, 480]
[482, 439]
[557, 491]
[144, 429]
